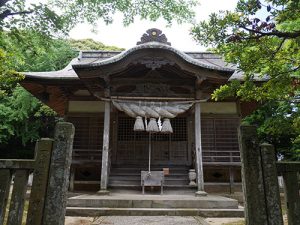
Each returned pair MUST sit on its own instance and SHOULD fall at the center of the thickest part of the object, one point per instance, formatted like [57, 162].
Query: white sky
[126, 37]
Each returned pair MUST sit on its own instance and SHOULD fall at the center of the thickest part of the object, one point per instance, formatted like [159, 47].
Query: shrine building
[146, 108]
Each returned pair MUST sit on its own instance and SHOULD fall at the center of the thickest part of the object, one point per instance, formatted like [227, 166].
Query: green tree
[279, 124]
[59, 16]
[90, 44]
[263, 41]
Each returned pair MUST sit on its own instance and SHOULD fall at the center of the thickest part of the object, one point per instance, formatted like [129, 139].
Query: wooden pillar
[198, 145]
[105, 149]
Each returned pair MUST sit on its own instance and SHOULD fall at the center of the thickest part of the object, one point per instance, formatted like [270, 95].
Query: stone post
[40, 181]
[272, 196]
[105, 150]
[56, 196]
[252, 177]
[198, 145]
[291, 189]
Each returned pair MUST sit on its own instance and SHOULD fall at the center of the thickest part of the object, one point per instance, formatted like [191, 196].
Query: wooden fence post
[272, 194]
[252, 177]
[56, 196]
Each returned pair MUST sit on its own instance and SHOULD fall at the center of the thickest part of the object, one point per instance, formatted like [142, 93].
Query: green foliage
[263, 41]
[279, 123]
[90, 44]
[57, 17]
[8, 77]
[21, 116]
[76, 11]
[32, 51]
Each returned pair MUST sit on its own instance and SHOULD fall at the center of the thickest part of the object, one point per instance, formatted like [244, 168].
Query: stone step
[138, 177]
[124, 173]
[138, 170]
[153, 201]
[94, 212]
[138, 182]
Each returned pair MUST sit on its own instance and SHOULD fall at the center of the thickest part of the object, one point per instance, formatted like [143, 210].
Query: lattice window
[179, 125]
[88, 132]
[220, 139]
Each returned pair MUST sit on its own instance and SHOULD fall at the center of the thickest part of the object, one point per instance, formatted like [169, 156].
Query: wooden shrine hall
[146, 106]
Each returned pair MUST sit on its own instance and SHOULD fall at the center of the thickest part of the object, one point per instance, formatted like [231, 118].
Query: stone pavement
[147, 220]
[137, 220]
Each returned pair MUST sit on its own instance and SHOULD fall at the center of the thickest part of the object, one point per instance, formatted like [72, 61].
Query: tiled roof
[98, 58]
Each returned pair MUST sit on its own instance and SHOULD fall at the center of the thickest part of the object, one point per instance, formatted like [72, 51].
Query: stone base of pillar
[103, 192]
[200, 194]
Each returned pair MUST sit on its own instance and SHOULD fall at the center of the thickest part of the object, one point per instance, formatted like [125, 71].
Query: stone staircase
[131, 176]
[172, 203]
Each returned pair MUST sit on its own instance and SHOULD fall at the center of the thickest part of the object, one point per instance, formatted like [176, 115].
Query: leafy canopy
[263, 40]
[279, 124]
[90, 44]
[59, 16]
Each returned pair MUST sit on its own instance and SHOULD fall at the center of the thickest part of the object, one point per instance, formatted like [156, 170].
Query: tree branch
[278, 48]
[8, 13]
[287, 35]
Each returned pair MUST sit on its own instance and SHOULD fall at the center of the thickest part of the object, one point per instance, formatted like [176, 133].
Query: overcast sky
[126, 37]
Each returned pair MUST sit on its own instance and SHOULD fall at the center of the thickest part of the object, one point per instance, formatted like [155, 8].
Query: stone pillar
[105, 150]
[198, 146]
[291, 189]
[252, 177]
[56, 195]
[272, 196]
[37, 200]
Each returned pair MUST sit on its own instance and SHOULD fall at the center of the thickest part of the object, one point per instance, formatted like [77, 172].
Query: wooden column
[198, 145]
[105, 149]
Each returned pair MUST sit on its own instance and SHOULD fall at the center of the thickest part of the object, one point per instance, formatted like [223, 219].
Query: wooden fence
[50, 169]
